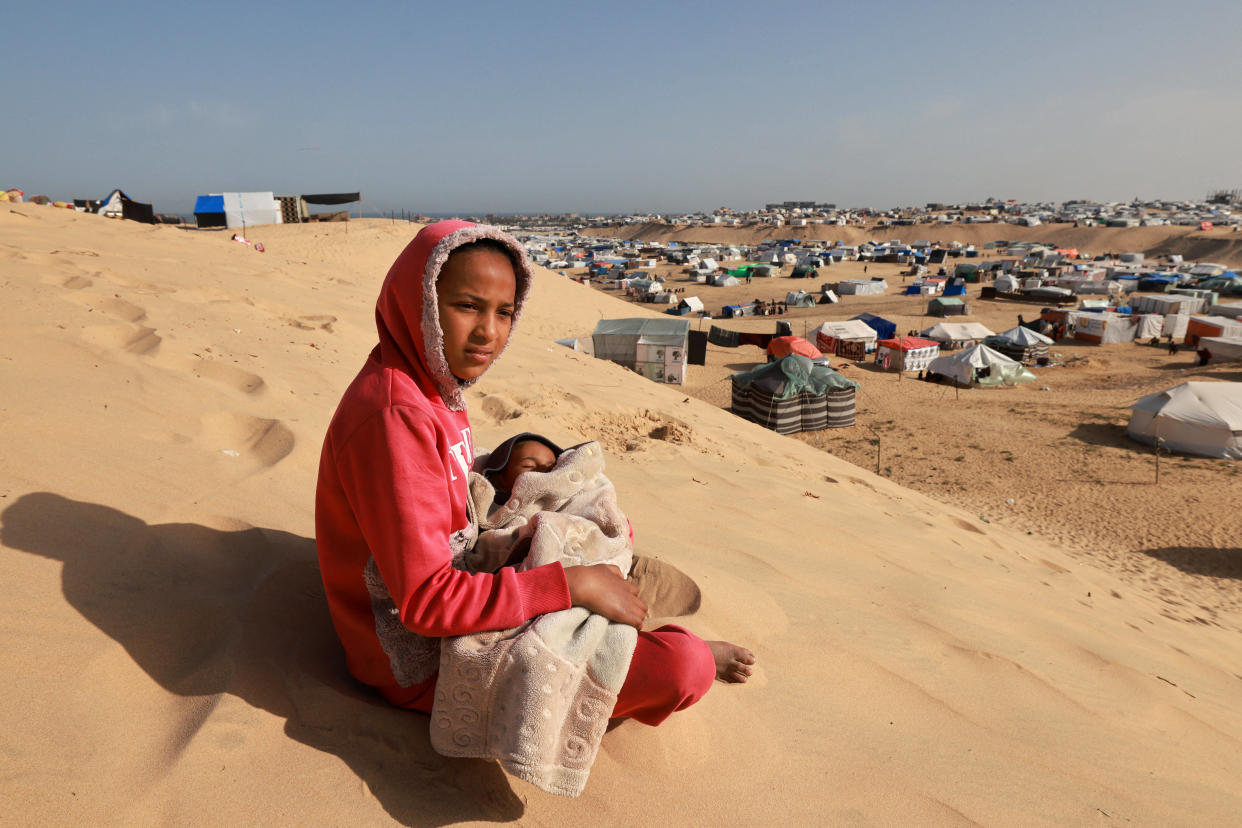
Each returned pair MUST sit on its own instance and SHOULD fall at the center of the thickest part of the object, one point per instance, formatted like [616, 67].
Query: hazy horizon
[553, 108]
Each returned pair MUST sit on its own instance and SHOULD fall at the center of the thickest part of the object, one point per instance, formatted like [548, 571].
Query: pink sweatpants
[672, 669]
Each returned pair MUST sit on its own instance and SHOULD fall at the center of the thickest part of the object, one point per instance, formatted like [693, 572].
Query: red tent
[782, 346]
[908, 343]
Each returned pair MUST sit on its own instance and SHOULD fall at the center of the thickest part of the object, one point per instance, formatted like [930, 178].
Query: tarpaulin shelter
[655, 348]
[1022, 344]
[1198, 326]
[1203, 418]
[851, 339]
[957, 334]
[1103, 328]
[1223, 348]
[947, 306]
[794, 394]
[861, 287]
[909, 353]
[238, 209]
[980, 364]
[783, 346]
[799, 299]
[882, 327]
[119, 205]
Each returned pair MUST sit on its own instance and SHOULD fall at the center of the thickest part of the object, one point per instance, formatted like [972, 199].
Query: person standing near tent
[391, 500]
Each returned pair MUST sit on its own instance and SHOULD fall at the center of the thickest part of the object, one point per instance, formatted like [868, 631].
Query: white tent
[724, 280]
[861, 287]
[1202, 418]
[1025, 336]
[249, 209]
[966, 366]
[799, 299]
[691, 304]
[1223, 348]
[957, 334]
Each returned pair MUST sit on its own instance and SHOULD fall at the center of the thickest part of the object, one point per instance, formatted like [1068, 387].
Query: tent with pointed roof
[793, 394]
[980, 364]
[1022, 344]
[1203, 418]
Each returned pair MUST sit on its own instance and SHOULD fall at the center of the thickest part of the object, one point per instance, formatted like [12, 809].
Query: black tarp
[137, 211]
[332, 198]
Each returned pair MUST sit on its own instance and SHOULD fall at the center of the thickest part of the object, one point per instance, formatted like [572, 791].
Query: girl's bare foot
[733, 663]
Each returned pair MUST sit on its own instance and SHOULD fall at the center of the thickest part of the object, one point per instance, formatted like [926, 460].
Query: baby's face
[529, 455]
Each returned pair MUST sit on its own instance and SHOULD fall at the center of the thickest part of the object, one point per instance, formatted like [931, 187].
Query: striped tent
[793, 394]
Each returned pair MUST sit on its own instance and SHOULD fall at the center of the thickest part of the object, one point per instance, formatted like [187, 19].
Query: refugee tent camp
[793, 394]
[980, 364]
[952, 335]
[655, 348]
[1020, 343]
[908, 353]
[1203, 418]
[851, 339]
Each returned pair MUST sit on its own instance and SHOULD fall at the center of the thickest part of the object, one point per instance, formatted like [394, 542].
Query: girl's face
[475, 295]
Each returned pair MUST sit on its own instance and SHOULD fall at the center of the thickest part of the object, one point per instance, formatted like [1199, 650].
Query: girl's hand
[602, 589]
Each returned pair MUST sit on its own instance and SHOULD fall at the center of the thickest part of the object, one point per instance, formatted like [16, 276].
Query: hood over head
[407, 314]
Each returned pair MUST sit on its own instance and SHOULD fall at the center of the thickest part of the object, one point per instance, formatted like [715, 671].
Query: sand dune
[169, 657]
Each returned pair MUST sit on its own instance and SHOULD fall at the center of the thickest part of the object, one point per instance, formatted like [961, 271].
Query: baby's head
[519, 454]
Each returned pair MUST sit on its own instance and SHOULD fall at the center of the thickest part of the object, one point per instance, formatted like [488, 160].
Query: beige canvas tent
[1203, 418]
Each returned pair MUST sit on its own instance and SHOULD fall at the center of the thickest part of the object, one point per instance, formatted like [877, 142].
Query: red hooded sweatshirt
[390, 506]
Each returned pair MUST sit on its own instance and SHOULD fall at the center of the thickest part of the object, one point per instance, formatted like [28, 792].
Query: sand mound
[169, 657]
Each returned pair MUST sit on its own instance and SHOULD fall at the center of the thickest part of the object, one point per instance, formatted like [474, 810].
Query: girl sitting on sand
[391, 501]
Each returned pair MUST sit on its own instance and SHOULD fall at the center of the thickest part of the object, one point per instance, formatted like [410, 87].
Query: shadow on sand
[206, 612]
[1201, 560]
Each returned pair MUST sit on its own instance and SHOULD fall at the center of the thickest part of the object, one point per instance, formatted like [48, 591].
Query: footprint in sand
[498, 408]
[312, 323]
[228, 375]
[257, 439]
[77, 283]
[135, 339]
[967, 525]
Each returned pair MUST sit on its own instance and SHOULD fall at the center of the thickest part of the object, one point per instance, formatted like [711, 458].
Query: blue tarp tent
[209, 211]
[882, 327]
[954, 290]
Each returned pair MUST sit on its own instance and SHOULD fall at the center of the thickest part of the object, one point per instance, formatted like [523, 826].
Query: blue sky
[549, 106]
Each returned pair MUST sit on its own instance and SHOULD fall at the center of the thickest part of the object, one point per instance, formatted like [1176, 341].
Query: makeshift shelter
[690, 304]
[1203, 418]
[1023, 344]
[655, 348]
[782, 346]
[852, 339]
[237, 210]
[947, 306]
[1223, 348]
[332, 199]
[1103, 328]
[1168, 303]
[861, 287]
[953, 335]
[723, 280]
[119, 205]
[882, 327]
[1199, 326]
[909, 353]
[799, 299]
[793, 394]
[982, 365]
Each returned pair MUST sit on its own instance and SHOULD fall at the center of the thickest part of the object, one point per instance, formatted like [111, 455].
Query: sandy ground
[168, 654]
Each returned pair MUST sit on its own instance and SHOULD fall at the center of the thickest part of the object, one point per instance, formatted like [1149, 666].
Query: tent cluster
[794, 394]
[242, 209]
